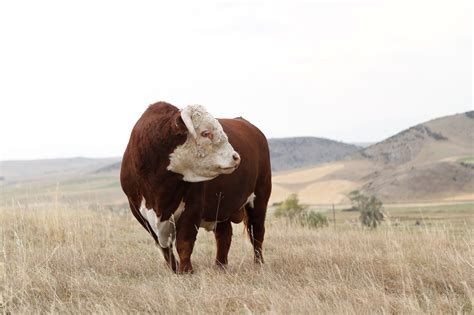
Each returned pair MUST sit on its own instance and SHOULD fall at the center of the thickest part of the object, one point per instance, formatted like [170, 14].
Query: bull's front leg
[185, 239]
[186, 232]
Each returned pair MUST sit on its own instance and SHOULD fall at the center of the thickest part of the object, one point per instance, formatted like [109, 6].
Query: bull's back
[227, 193]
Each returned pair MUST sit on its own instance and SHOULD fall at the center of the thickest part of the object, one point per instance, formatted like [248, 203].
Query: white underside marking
[208, 225]
[251, 199]
[166, 230]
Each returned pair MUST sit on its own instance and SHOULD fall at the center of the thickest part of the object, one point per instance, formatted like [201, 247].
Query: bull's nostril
[236, 157]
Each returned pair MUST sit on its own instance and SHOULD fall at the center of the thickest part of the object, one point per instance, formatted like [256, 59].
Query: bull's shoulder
[240, 123]
[152, 140]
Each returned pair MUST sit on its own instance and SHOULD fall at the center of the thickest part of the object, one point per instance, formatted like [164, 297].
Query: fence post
[334, 216]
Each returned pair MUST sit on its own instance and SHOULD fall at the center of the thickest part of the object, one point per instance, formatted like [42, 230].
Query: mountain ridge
[423, 162]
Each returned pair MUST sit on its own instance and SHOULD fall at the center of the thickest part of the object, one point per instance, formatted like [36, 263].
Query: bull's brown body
[224, 199]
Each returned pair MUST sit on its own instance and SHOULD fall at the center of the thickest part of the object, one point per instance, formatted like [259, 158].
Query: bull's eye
[205, 133]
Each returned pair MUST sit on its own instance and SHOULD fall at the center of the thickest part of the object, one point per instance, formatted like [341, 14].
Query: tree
[370, 209]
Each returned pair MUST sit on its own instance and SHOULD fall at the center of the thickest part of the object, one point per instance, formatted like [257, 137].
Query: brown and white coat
[183, 169]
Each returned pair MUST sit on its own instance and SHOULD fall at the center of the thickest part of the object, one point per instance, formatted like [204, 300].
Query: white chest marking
[164, 230]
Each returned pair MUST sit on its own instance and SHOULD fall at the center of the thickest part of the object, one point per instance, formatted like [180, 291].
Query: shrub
[314, 220]
[290, 208]
[298, 213]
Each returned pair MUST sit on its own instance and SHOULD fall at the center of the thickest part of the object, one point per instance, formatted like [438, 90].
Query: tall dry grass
[72, 259]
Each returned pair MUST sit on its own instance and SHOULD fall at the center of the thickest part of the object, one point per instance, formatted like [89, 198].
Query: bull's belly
[166, 230]
[219, 211]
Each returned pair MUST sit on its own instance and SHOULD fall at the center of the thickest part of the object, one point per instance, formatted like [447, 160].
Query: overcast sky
[75, 76]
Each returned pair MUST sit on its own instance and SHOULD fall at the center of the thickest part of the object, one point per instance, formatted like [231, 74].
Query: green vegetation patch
[466, 159]
[452, 208]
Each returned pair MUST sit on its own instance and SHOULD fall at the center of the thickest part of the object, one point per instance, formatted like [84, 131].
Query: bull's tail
[247, 231]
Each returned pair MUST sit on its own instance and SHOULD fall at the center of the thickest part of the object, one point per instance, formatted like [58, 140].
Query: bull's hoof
[185, 269]
[221, 266]
[258, 260]
[173, 266]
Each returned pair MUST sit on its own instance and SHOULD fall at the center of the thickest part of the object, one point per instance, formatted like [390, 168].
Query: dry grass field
[75, 258]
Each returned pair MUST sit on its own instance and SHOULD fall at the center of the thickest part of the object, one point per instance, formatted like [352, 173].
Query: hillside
[18, 171]
[422, 163]
[436, 139]
[291, 153]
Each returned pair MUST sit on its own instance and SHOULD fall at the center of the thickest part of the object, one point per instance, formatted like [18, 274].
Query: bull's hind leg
[167, 252]
[223, 234]
[256, 211]
[256, 226]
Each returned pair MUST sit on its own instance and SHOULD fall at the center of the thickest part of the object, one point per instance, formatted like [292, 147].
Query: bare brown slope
[451, 136]
[422, 163]
[434, 181]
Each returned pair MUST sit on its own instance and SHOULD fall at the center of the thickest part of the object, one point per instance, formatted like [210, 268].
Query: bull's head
[207, 152]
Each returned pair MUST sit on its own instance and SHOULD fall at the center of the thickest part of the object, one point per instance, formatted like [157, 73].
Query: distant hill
[109, 168]
[429, 161]
[17, 171]
[433, 140]
[424, 161]
[292, 153]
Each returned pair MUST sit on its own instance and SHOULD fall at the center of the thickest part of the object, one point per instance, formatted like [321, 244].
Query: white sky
[75, 76]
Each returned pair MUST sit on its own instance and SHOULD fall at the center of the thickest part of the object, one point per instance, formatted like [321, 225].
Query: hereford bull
[184, 169]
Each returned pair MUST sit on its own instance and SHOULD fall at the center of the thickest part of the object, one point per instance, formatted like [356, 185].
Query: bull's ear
[186, 116]
[178, 124]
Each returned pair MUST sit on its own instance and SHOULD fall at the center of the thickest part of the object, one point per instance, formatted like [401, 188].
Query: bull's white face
[207, 152]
